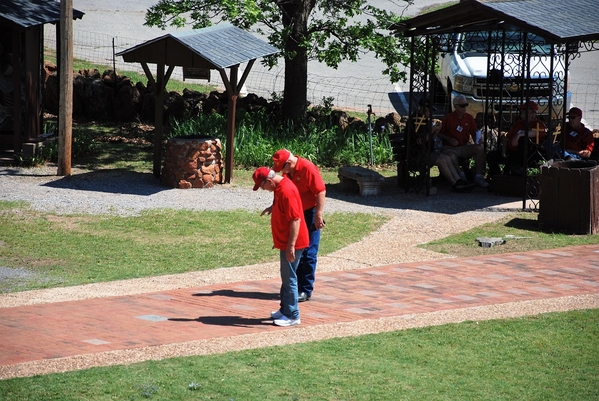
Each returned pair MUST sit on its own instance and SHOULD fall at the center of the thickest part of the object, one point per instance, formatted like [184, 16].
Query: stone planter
[192, 162]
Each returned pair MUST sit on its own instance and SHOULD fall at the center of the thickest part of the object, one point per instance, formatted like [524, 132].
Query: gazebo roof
[216, 47]
[28, 13]
[574, 20]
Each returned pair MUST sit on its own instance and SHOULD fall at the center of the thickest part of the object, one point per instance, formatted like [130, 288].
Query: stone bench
[368, 181]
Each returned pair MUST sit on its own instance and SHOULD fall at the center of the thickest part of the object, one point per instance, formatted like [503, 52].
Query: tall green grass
[259, 134]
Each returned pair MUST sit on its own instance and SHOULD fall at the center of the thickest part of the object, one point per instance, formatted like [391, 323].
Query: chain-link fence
[350, 93]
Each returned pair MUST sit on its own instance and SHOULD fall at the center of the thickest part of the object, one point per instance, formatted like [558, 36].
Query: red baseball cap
[259, 176]
[575, 112]
[531, 105]
[280, 158]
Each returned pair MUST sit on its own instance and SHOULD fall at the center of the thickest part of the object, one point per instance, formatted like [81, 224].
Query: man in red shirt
[457, 130]
[290, 236]
[579, 139]
[306, 177]
[528, 131]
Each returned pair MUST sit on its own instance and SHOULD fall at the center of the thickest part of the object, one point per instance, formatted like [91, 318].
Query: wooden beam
[167, 76]
[16, 75]
[149, 75]
[231, 85]
[33, 63]
[65, 107]
[158, 118]
[246, 72]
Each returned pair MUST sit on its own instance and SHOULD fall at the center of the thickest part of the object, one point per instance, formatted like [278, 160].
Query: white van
[462, 69]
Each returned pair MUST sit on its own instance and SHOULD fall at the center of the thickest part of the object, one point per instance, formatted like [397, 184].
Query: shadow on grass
[524, 224]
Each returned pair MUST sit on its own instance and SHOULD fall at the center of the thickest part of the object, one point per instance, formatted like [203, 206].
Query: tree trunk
[295, 16]
[296, 88]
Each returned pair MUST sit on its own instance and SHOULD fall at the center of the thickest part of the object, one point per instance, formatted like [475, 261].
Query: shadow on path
[225, 321]
[117, 181]
[240, 294]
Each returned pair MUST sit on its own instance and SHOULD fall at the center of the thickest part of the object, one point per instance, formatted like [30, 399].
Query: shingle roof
[220, 46]
[557, 21]
[28, 13]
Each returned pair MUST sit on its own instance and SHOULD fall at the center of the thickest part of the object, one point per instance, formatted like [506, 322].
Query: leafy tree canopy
[329, 31]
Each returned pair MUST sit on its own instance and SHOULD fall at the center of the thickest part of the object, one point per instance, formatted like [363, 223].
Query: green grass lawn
[546, 357]
[79, 249]
[520, 231]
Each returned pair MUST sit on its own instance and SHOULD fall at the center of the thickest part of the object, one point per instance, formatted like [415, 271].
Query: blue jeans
[289, 302]
[306, 271]
[573, 156]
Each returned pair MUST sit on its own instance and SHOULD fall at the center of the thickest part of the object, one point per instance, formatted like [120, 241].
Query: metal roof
[28, 13]
[556, 21]
[217, 47]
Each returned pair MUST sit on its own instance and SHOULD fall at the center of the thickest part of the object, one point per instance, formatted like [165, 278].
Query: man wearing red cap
[521, 137]
[458, 133]
[290, 236]
[306, 177]
[579, 141]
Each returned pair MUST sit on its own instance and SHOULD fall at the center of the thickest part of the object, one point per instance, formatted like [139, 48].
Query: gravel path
[413, 219]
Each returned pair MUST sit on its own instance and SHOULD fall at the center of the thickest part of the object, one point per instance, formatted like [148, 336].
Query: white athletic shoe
[276, 314]
[285, 321]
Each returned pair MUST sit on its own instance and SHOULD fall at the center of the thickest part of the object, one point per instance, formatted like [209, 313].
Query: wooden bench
[368, 181]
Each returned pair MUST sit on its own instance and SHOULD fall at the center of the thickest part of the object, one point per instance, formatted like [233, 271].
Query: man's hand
[318, 221]
[268, 210]
[514, 140]
[290, 254]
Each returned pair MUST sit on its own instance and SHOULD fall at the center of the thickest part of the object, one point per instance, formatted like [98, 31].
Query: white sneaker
[276, 314]
[284, 321]
[480, 181]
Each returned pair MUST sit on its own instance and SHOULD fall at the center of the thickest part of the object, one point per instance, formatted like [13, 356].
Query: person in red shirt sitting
[458, 133]
[579, 140]
[522, 137]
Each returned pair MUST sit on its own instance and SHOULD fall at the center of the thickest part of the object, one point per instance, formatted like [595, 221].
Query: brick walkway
[42, 333]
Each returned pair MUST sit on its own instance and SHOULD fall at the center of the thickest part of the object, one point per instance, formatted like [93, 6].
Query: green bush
[259, 134]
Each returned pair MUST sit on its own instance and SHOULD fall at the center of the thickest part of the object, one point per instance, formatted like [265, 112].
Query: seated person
[447, 162]
[523, 136]
[579, 139]
[458, 133]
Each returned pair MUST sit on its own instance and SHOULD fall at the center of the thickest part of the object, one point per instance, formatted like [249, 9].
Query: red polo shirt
[308, 181]
[462, 129]
[286, 207]
[521, 125]
[579, 139]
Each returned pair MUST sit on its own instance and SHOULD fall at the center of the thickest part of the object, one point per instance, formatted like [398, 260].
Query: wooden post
[233, 92]
[17, 116]
[65, 108]
[33, 63]
[158, 118]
